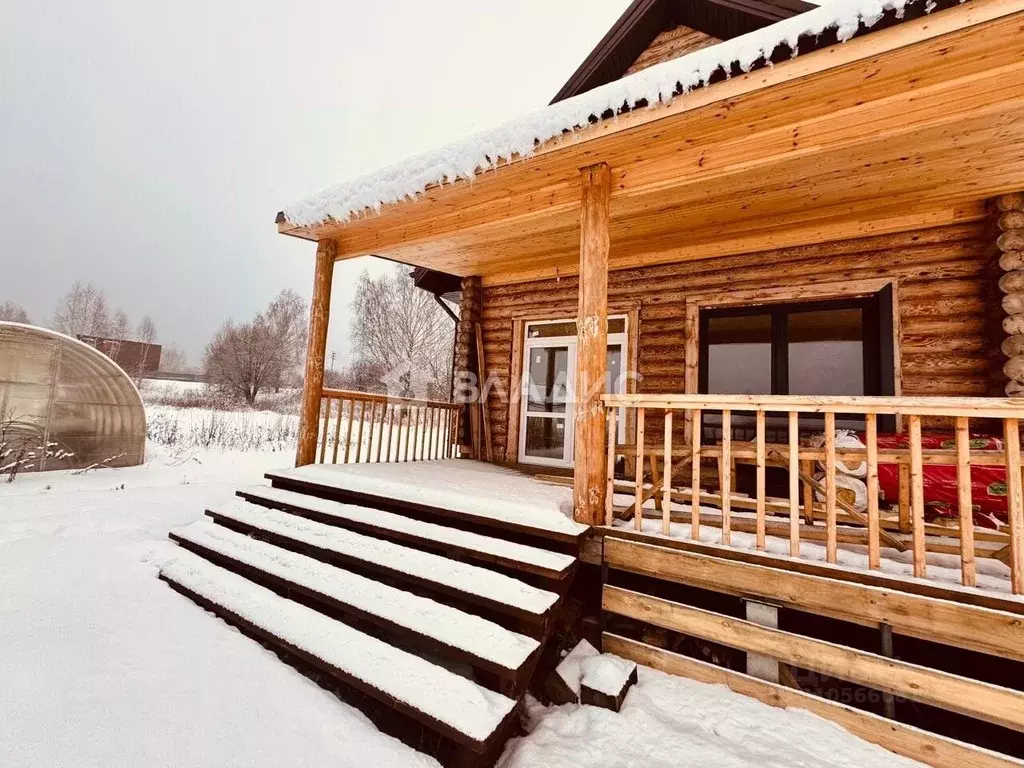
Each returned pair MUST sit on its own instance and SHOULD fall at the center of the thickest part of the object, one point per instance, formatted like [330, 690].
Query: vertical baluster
[435, 435]
[760, 458]
[963, 487]
[794, 484]
[446, 434]
[609, 497]
[1015, 503]
[830, 488]
[326, 427]
[416, 433]
[917, 495]
[407, 430]
[725, 476]
[904, 497]
[871, 437]
[391, 429]
[695, 436]
[424, 437]
[380, 430]
[638, 516]
[359, 431]
[348, 427]
[666, 485]
[442, 452]
[337, 431]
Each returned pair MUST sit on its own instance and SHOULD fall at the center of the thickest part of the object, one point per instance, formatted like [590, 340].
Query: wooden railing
[813, 510]
[360, 427]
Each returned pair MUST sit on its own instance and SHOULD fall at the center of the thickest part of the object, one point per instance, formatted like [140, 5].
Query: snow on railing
[838, 480]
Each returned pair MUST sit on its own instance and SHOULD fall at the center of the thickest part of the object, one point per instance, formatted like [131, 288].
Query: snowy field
[103, 665]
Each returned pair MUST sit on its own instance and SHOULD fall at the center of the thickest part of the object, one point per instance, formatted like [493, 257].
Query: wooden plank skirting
[984, 701]
[905, 740]
[996, 632]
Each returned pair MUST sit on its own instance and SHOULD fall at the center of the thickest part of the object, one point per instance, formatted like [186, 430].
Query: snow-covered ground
[103, 665]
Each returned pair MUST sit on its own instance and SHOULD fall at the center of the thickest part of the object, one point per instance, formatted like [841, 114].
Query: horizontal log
[1013, 201]
[928, 618]
[984, 701]
[906, 740]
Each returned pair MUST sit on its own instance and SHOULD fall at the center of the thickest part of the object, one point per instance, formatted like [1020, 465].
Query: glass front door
[549, 375]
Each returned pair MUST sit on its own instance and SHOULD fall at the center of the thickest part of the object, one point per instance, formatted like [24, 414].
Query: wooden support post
[666, 485]
[871, 437]
[760, 450]
[1015, 503]
[638, 504]
[794, 484]
[917, 496]
[830, 488]
[316, 347]
[888, 700]
[592, 347]
[963, 481]
[609, 498]
[725, 476]
[695, 437]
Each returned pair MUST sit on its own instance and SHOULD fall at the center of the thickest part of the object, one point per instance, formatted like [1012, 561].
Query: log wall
[944, 291]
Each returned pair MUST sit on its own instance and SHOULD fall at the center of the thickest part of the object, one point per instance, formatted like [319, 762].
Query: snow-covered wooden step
[463, 581]
[475, 495]
[454, 706]
[459, 636]
[415, 533]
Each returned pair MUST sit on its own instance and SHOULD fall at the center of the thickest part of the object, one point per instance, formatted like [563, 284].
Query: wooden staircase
[432, 623]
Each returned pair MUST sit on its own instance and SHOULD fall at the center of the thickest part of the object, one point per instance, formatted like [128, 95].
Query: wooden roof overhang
[911, 126]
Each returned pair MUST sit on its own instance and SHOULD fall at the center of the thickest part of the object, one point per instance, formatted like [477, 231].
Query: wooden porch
[885, 172]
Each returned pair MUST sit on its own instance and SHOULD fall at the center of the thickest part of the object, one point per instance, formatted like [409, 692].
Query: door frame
[568, 453]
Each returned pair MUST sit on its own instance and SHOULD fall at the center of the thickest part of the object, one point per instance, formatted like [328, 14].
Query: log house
[750, 327]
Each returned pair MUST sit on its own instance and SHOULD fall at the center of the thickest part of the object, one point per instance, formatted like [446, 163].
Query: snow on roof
[657, 85]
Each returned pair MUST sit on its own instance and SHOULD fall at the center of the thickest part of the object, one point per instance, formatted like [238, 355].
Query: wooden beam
[943, 621]
[972, 698]
[927, 748]
[591, 345]
[316, 347]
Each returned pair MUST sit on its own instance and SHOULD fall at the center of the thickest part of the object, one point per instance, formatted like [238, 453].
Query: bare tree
[13, 313]
[83, 311]
[173, 360]
[145, 332]
[120, 328]
[287, 323]
[400, 328]
[244, 359]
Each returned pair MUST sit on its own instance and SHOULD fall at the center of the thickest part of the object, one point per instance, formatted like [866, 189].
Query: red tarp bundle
[988, 484]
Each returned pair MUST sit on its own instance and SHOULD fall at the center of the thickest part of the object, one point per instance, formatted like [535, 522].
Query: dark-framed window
[835, 347]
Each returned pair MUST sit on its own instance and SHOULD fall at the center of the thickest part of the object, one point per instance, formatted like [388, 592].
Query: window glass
[545, 437]
[613, 379]
[548, 381]
[740, 355]
[826, 352]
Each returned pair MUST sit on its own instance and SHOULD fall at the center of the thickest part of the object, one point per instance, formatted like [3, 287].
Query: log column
[591, 347]
[313, 380]
[467, 387]
[1011, 259]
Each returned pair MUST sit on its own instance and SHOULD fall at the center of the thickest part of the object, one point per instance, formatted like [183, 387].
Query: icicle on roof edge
[657, 85]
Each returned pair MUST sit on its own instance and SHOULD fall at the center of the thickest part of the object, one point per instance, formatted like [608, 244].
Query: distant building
[136, 357]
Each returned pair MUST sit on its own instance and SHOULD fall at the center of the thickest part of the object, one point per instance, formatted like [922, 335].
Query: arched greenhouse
[64, 405]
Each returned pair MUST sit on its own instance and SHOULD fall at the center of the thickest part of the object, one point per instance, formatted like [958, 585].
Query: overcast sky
[146, 146]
